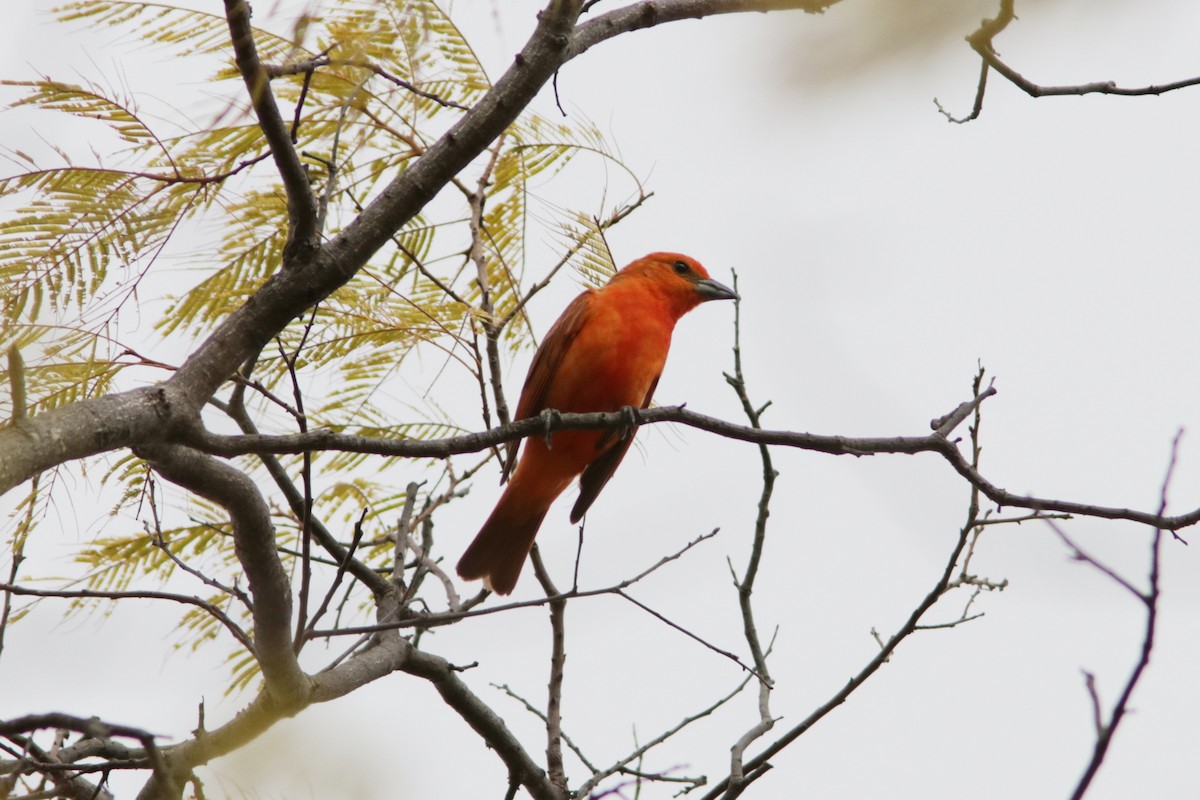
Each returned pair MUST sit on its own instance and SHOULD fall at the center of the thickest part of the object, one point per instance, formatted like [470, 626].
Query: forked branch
[982, 41]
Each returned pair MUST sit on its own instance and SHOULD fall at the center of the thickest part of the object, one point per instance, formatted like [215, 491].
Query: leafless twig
[557, 603]
[982, 42]
[88, 594]
[1149, 599]
[450, 617]
[745, 584]
[757, 765]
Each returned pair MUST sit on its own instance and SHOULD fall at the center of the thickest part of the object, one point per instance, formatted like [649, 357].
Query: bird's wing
[545, 365]
[597, 473]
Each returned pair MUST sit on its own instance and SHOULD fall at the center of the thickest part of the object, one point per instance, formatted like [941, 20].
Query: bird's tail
[501, 546]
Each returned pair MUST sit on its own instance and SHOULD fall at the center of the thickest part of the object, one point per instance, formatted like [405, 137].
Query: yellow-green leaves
[130, 251]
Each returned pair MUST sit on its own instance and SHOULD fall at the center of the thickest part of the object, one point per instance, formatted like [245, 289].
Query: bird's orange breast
[613, 362]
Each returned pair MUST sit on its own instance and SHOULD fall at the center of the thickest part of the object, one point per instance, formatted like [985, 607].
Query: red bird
[606, 352]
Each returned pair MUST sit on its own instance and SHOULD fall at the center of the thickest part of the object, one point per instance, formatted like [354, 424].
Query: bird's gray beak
[715, 290]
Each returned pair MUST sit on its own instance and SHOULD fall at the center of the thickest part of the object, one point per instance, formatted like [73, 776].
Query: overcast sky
[882, 255]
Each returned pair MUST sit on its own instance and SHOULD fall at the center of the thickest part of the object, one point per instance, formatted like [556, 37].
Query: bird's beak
[714, 290]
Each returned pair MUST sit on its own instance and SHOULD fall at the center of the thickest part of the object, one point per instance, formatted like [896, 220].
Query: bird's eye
[682, 268]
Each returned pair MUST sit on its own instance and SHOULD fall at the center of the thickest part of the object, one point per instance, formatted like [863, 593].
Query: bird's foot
[631, 417]
[550, 419]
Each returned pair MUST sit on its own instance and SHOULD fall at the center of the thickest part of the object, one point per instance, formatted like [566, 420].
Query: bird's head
[681, 277]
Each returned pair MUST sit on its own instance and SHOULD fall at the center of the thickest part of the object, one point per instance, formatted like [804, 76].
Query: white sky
[882, 253]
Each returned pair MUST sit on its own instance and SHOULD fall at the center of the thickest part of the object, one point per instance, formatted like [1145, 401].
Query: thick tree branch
[147, 415]
[254, 543]
[541, 56]
[295, 500]
[485, 722]
[75, 431]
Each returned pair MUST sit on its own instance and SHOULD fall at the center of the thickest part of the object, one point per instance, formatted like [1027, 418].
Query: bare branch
[1079, 554]
[302, 206]
[402, 529]
[18, 556]
[745, 585]
[338, 576]
[619, 420]
[649, 13]
[95, 728]
[160, 541]
[485, 722]
[88, 594]
[450, 617]
[1149, 598]
[532, 709]
[558, 658]
[661, 618]
[756, 766]
[254, 543]
[67, 778]
[642, 749]
[491, 326]
[982, 42]
[295, 499]
[325, 60]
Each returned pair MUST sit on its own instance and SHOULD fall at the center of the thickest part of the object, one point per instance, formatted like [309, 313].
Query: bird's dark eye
[682, 268]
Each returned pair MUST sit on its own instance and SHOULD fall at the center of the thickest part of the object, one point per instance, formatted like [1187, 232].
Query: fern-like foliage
[370, 84]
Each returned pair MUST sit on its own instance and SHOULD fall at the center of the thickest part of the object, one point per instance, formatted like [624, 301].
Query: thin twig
[307, 66]
[622, 766]
[665, 620]
[160, 541]
[450, 617]
[755, 767]
[982, 42]
[1149, 598]
[18, 555]
[90, 594]
[306, 481]
[532, 709]
[374, 582]
[338, 576]
[745, 585]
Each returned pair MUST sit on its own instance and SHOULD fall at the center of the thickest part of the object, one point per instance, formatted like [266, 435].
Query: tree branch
[147, 415]
[982, 42]
[649, 13]
[1149, 598]
[301, 204]
[745, 585]
[254, 543]
[756, 766]
[85, 594]
[617, 420]
[295, 500]
[485, 722]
